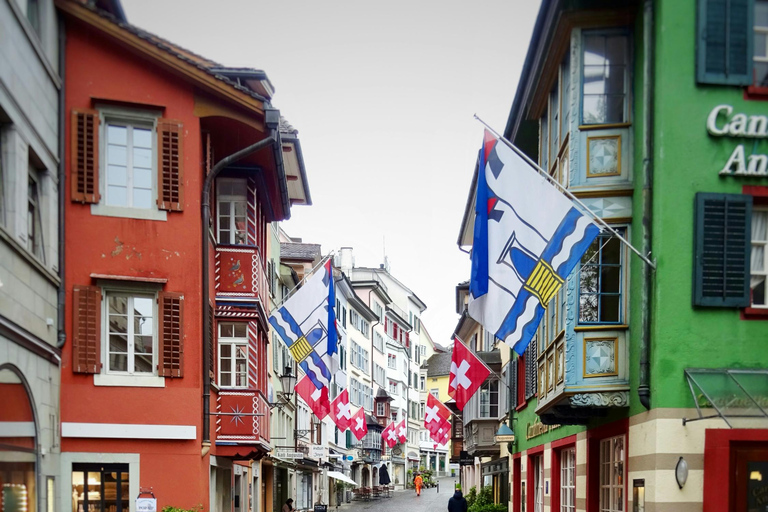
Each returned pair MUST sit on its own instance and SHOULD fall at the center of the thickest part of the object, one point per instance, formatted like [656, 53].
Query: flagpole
[566, 192]
[307, 275]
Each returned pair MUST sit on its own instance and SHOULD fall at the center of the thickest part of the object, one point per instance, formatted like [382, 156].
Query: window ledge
[754, 92]
[601, 327]
[754, 314]
[131, 213]
[128, 381]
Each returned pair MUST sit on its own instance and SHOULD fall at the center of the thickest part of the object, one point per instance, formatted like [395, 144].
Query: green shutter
[722, 242]
[724, 42]
[349, 439]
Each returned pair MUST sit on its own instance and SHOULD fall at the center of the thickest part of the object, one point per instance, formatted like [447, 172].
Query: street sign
[350, 457]
[285, 454]
[317, 451]
[465, 459]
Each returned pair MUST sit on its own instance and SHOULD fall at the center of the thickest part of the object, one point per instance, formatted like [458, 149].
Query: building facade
[645, 386]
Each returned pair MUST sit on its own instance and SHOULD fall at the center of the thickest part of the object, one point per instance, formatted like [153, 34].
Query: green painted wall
[687, 160]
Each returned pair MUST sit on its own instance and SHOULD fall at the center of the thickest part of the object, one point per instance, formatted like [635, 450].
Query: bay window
[232, 211]
[489, 399]
[233, 354]
[605, 81]
[601, 284]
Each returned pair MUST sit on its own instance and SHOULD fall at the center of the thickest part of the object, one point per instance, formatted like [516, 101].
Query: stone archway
[18, 442]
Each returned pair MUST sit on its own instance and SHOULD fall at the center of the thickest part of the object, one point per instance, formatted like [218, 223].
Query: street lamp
[287, 382]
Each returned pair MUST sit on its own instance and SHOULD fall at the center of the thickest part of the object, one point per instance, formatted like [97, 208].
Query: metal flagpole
[566, 192]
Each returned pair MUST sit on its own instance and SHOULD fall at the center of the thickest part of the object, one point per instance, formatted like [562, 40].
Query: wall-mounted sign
[465, 459]
[537, 429]
[396, 451]
[146, 505]
[316, 451]
[722, 122]
[285, 454]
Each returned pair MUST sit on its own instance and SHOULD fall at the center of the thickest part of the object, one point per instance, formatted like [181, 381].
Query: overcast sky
[383, 95]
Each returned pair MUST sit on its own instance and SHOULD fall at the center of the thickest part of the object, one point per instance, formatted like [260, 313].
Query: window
[128, 164]
[130, 334]
[435, 393]
[380, 411]
[422, 409]
[761, 44]
[568, 480]
[489, 341]
[378, 310]
[33, 15]
[378, 341]
[604, 72]
[100, 487]
[232, 211]
[422, 383]
[612, 474]
[392, 361]
[392, 387]
[355, 392]
[759, 269]
[233, 354]
[725, 29]
[600, 282]
[489, 399]
[34, 222]
[359, 357]
[538, 483]
[379, 375]
[342, 357]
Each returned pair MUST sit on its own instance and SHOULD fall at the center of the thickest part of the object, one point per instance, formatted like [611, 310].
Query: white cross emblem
[316, 394]
[359, 425]
[344, 410]
[432, 414]
[461, 378]
[403, 432]
[392, 435]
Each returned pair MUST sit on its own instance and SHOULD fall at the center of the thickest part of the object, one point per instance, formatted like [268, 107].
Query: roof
[299, 251]
[439, 364]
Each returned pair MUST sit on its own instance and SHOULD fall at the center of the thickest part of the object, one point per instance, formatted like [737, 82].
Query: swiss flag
[341, 411]
[467, 374]
[359, 426]
[437, 419]
[389, 435]
[402, 431]
[317, 399]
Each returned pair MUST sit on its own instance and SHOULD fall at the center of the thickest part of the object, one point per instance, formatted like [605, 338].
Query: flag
[359, 425]
[402, 431]
[527, 238]
[341, 411]
[317, 399]
[389, 434]
[306, 323]
[437, 419]
[468, 373]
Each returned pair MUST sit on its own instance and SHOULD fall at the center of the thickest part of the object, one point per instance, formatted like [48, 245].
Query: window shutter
[531, 369]
[86, 341]
[169, 165]
[722, 241]
[513, 384]
[171, 334]
[725, 41]
[84, 173]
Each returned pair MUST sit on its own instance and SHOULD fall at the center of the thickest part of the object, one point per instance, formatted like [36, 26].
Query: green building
[646, 388]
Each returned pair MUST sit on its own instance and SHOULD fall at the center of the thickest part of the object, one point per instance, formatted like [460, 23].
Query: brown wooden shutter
[85, 156]
[169, 165]
[171, 334]
[86, 341]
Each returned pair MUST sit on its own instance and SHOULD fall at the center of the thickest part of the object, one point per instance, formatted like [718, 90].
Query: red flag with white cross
[389, 435]
[402, 431]
[317, 399]
[467, 374]
[341, 411]
[437, 419]
[359, 426]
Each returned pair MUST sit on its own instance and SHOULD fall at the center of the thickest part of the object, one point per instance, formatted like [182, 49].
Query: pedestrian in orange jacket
[418, 482]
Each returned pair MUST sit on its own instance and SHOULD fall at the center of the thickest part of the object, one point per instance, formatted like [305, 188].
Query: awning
[732, 393]
[341, 476]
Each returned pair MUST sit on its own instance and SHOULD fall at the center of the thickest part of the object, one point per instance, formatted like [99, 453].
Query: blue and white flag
[528, 237]
[306, 323]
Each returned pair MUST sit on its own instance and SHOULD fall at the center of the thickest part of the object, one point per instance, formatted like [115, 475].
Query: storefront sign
[146, 505]
[722, 122]
[465, 459]
[284, 454]
[316, 451]
[537, 429]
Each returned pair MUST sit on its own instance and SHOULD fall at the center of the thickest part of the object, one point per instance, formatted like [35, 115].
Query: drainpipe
[61, 293]
[644, 389]
[272, 117]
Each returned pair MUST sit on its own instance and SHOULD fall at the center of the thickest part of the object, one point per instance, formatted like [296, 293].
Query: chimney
[347, 259]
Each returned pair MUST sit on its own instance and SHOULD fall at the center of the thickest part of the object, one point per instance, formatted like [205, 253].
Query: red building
[164, 371]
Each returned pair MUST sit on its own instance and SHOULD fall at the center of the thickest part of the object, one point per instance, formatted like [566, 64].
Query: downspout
[61, 293]
[271, 116]
[643, 388]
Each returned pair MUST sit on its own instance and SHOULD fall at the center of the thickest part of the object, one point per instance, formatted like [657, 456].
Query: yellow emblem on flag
[300, 349]
[543, 282]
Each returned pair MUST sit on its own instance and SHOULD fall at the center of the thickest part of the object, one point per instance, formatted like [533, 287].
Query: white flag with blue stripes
[528, 237]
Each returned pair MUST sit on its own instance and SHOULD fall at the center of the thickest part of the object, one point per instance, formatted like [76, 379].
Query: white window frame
[613, 465]
[231, 199]
[125, 379]
[233, 342]
[392, 387]
[757, 244]
[538, 483]
[380, 409]
[133, 117]
[35, 244]
[568, 480]
[392, 361]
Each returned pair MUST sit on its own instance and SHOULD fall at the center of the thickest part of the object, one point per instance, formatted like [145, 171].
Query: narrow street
[435, 498]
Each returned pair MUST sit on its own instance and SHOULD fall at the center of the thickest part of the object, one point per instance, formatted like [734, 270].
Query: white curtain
[759, 233]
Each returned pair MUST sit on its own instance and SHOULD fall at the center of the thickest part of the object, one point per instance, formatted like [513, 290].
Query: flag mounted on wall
[341, 411]
[317, 399]
[389, 434]
[359, 426]
[437, 420]
[467, 374]
[306, 323]
[527, 238]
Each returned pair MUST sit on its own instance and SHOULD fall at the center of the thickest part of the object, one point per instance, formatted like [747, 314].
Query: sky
[383, 96]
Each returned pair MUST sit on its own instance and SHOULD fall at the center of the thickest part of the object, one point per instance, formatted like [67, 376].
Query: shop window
[604, 78]
[232, 211]
[601, 281]
[100, 487]
[612, 474]
[233, 354]
[537, 487]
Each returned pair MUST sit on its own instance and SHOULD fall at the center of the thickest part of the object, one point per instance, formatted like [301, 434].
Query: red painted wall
[99, 70]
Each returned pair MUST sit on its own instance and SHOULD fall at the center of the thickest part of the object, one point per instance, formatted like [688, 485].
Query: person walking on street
[418, 482]
[457, 503]
[288, 507]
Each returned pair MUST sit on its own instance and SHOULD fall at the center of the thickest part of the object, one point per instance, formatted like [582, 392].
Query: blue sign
[349, 457]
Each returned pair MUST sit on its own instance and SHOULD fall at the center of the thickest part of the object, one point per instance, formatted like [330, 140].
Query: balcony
[479, 437]
[242, 422]
[241, 277]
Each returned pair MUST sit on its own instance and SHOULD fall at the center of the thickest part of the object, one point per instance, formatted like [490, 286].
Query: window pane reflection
[604, 75]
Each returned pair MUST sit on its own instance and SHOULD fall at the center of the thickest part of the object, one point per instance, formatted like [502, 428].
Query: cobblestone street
[435, 498]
